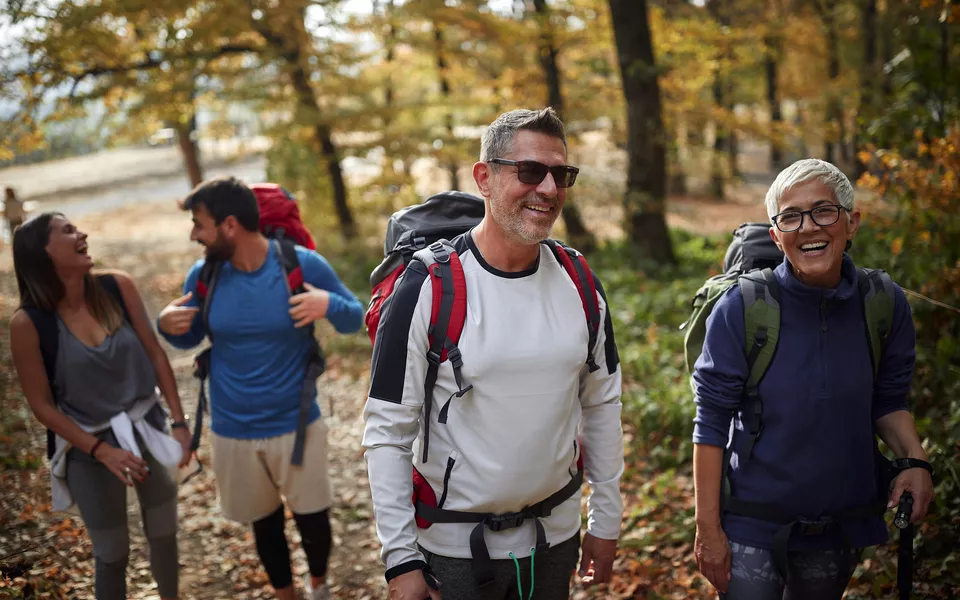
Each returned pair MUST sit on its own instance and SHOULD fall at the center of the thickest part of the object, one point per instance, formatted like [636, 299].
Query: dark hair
[498, 138]
[226, 197]
[40, 285]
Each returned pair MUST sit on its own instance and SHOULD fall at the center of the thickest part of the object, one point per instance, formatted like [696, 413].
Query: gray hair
[498, 138]
[805, 170]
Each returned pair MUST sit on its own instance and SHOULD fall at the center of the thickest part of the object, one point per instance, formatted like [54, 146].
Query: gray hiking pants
[810, 575]
[553, 570]
[102, 501]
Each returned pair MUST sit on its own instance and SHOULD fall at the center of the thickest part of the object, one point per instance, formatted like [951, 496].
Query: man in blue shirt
[257, 369]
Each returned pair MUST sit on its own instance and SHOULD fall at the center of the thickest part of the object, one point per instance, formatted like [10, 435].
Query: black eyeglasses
[823, 215]
[532, 172]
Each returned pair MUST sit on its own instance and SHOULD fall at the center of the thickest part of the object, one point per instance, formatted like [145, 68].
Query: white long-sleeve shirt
[510, 441]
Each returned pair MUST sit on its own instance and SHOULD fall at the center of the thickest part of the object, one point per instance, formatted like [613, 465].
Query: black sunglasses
[532, 172]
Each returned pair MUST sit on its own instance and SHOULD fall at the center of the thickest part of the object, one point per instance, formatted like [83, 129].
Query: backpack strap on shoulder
[109, 283]
[877, 293]
[761, 315]
[447, 317]
[206, 283]
[290, 262]
[48, 333]
[577, 269]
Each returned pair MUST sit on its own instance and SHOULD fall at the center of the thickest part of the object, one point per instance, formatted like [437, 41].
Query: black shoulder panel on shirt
[389, 363]
[610, 344]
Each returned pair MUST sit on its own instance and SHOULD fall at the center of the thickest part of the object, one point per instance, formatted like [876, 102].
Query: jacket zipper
[823, 331]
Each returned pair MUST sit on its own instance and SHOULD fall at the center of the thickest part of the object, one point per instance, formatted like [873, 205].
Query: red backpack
[420, 232]
[280, 215]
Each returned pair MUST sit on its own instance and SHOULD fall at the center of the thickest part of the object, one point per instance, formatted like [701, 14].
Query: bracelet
[93, 450]
[181, 424]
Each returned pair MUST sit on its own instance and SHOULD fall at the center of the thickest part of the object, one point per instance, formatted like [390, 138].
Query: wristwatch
[181, 424]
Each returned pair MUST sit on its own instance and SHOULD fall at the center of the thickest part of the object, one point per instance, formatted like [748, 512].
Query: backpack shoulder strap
[577, 269]
[761, 316]
[48, 333]
[878, 296]
[206, 282]
[109, 283]
[287, 253]
[447, 317]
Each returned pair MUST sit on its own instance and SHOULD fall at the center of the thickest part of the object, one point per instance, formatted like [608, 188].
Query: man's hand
[713, 555]
[309, 306]
[175, 318]
[919, 483]
[596, 564]
[411, 586]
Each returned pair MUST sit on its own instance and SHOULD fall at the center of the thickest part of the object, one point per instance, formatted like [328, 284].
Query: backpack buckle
[503, 522]
[440, 252]
[814, 526]
[433, 357]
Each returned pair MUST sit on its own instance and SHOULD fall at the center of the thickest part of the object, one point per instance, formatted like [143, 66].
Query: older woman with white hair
[787, 497]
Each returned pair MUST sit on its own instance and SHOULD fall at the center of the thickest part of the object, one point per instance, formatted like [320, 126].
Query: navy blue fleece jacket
[820, 401]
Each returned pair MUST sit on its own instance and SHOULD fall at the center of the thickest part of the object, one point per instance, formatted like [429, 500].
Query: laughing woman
[802, 493]
[89, 365]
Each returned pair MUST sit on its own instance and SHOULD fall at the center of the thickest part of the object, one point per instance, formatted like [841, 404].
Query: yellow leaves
[897, 246]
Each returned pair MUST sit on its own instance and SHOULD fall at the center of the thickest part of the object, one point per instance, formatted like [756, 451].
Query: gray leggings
[102, 501]
[810, 575]
[553, 570]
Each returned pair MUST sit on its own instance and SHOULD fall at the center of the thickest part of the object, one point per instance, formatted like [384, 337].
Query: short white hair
[809, 169]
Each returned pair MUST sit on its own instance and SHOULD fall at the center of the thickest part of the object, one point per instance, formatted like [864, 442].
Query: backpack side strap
[879, 300]
[577, 269]
[761, 306]
[316, 364]
[447, 317]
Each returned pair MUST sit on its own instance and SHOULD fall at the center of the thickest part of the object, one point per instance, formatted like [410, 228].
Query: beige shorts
[255, 476]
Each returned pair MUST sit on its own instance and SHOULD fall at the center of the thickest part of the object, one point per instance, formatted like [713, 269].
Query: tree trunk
[577, 233]
[720, 141]
[868, 81]
[324, 139]
[771, 64]
[834, 103]
[291, 49]
[449, 149]
[189, 150]
[645, 199]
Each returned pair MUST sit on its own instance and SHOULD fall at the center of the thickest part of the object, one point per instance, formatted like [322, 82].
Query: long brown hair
[40, 286]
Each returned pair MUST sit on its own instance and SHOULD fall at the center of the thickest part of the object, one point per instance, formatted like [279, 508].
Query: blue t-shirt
[258, 356]
[814, 455]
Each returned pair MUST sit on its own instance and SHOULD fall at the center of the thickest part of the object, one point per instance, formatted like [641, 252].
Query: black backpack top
[751, 248]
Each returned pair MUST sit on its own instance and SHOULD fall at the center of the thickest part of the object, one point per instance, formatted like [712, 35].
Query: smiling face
[67, 246]
[217, 240]
[815, 251]
[525, 213]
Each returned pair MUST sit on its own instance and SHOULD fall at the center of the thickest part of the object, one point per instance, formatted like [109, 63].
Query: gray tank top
[94, 384]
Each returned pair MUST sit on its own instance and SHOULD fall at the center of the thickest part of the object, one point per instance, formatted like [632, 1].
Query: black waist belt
[482, 565]
[792, 525]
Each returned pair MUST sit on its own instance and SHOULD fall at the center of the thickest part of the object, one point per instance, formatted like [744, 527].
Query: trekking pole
[905, 551]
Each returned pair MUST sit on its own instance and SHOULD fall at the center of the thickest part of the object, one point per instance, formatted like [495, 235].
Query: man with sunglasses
[506, 451]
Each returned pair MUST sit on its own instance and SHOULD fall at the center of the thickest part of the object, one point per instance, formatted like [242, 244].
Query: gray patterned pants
[811, 575]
